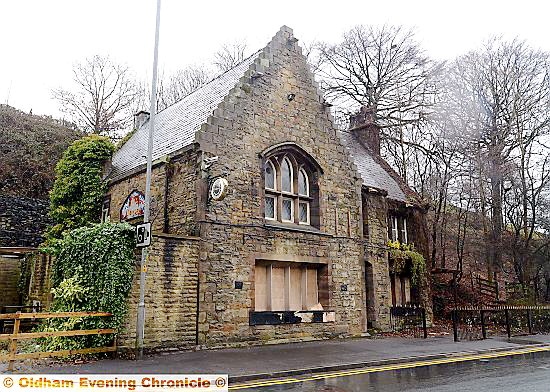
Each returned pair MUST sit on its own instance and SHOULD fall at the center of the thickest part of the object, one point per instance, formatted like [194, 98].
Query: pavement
[283, 360]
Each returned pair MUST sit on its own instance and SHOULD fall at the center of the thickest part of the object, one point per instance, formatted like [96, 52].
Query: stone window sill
[291, 317]
[294, 227]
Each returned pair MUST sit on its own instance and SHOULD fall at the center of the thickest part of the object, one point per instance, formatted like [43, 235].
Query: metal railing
[476, 323]
[409, 318]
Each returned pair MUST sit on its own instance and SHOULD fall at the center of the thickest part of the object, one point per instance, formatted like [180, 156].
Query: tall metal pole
[153, 108]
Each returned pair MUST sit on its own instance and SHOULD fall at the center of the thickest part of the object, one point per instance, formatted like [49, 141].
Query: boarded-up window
[277, 289]
[286, 287]
[312, 292]
[261, 288]
[295, 289]
[401, 290]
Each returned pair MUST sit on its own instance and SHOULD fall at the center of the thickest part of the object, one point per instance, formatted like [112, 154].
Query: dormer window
[290, 191]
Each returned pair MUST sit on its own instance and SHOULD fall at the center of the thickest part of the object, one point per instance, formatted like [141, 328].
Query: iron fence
[476, 323]
[410, 319]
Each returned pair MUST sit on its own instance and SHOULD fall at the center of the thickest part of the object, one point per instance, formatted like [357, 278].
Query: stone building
[269, 224]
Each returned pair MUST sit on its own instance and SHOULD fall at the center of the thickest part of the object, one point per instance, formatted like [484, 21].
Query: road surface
[528, 372]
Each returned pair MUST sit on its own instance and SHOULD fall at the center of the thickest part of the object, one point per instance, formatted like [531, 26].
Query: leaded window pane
[304, 212]
[286, 213]
[269, 175]
[270, 207]
[303, 188]
[286, 176]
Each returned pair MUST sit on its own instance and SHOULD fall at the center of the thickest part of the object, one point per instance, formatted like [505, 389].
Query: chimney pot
[140, 118]
[363, 126]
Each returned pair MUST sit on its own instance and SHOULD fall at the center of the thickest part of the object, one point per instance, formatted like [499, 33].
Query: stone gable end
[255, 116]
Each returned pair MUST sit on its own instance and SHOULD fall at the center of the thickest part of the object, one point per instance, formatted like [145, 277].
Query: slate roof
[372, 171]
[176, 125]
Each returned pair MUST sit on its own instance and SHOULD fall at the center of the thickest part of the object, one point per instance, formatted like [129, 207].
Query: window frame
[298, 169]
[270, 163]
[300, 172]
[106, 209]
[283, 199]
[307, 203]
[398, 230]
[285, 161]
[274, 218]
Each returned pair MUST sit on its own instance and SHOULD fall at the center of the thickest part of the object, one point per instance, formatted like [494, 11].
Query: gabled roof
[374, 171]
[176, 125]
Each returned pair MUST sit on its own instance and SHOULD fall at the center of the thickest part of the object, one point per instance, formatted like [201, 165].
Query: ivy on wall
[401, 253]
[93, 271]
[78, 190]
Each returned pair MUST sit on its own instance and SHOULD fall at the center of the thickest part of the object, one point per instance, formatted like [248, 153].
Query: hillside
[30, 147]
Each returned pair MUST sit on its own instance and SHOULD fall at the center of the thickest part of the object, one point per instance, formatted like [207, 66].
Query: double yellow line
[399, 366]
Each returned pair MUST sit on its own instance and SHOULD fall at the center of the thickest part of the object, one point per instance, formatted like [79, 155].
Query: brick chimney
[140, 118]
[363, 126]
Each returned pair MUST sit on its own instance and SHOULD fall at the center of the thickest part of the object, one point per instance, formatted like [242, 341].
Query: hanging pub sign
[133, 207]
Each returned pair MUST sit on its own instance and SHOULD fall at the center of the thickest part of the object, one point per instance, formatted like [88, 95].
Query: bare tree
[171, 89]
[183, 82]
[497, 99]
[102, 96]
[509, 85]
[384, 69]
[230, 55]
[381, 68]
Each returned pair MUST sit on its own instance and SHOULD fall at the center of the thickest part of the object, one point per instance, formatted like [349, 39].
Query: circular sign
[218, 189]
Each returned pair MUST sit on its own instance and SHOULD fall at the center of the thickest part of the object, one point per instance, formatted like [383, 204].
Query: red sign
[133, 207]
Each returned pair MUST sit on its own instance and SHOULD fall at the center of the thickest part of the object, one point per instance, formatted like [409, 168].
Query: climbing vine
[78, 190]
[93, 271]
[401, 253]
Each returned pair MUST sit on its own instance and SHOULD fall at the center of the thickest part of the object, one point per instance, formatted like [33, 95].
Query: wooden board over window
[286, 286]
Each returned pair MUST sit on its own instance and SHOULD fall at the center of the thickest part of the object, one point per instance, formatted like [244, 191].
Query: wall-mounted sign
[133, 207]
[143, 234]
[218, 189]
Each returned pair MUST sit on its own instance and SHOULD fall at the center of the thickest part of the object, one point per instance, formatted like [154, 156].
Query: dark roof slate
[177, 124]
[374, 171]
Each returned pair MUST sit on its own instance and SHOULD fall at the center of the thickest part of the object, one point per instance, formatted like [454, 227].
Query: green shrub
[78, 190]
[93, 271]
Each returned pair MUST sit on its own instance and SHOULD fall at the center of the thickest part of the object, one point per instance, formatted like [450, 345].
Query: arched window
[290, 193]
[286, 175]
[270, 175]
[303, 183]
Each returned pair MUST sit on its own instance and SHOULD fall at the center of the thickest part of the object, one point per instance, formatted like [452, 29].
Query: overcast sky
[41, 40]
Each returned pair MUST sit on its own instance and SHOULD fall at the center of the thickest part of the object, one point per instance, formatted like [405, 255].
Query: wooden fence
[16, 335]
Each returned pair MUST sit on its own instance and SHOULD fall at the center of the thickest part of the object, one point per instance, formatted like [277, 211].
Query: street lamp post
[143, 274]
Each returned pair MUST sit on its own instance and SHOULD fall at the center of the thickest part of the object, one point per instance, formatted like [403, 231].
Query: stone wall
[173, 194]
[375, 213]
[9, 278]
[170, 296]
[40, 283]
[255, 116]
[230, 255]
[22, 221]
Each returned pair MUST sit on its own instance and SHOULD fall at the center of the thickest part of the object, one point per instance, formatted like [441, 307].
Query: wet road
[529, 372]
